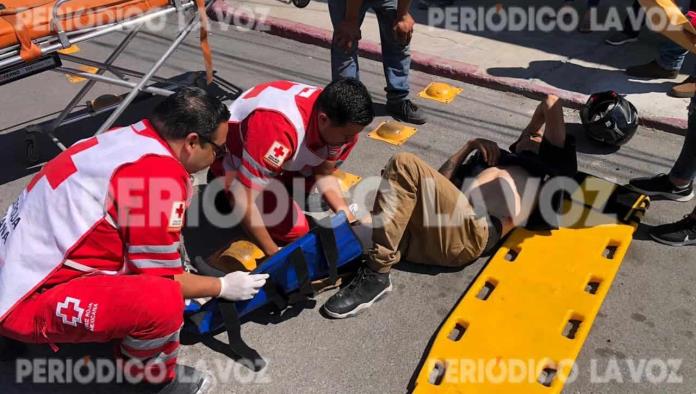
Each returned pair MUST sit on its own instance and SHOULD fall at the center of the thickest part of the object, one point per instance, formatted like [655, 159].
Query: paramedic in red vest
[90, 250]
[281, 131]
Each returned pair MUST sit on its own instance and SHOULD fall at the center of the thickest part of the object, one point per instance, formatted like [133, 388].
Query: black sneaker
[405, 111]
[661, 186]
[620, 38]
[366, 288]
[681, 233]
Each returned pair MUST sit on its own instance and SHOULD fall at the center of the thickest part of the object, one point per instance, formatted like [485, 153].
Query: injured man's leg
[420, 216]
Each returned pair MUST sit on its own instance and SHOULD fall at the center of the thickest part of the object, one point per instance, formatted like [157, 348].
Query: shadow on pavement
[13, 159]
[602, 79]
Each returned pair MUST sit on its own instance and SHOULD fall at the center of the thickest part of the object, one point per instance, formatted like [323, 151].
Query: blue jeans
[685, 166]
[671, 55]
[396, 58]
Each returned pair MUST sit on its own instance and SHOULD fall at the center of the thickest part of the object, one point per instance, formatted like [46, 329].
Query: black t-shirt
[550, 161]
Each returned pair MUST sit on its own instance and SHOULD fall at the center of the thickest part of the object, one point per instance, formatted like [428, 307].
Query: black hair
[189, 110]
[346, 101]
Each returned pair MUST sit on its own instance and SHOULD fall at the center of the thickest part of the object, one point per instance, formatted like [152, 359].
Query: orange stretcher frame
[34, 33]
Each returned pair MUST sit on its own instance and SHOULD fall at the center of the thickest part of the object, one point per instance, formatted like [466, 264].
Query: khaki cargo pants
[421, 217]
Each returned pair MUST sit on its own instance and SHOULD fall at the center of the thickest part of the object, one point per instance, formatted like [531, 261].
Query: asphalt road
[648, 314]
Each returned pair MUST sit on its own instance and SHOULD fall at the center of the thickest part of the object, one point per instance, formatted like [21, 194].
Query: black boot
[405, 111]
[361, 293]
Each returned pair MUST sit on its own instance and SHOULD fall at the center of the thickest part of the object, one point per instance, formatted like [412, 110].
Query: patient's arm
[448, 167]
[488, 148]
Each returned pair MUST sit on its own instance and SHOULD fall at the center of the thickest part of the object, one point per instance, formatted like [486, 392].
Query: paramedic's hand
[403, 29]
[489, 150]
[241, 286]
[347, 33]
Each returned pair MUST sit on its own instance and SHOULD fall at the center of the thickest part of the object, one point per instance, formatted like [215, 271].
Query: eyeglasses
[220, 150]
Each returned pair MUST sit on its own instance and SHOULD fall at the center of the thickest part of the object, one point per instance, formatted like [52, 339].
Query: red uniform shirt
[148, 199]
[266, 144]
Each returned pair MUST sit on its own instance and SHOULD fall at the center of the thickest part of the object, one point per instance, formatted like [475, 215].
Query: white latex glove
[241, 286]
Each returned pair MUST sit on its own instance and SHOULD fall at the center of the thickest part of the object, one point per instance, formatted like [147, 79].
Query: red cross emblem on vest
[176, 219]
[275, 157]
[69, 311]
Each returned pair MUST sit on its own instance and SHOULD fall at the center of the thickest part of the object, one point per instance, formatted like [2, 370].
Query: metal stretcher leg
[148, 76]
[32, 131]
[90, 84]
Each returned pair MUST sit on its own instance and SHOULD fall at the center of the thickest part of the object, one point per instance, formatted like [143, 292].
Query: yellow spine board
[532, 307]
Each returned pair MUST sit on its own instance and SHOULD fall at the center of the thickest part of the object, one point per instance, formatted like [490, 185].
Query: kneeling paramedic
[453, 216]
[90, 250]
[282, 132]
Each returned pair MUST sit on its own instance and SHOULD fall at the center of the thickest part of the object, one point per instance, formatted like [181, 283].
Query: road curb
[435, 65]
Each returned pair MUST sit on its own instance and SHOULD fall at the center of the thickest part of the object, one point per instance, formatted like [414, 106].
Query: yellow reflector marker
[239, 255]
[346, 180]
[522, 323]
[391, 132]
[440, 91]
[76, 79]
[69, 50]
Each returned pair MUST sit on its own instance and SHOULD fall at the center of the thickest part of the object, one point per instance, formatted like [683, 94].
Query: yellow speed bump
[240, 255]
[391, 132]
[440, 91]
[346, 180]
[76, 79]
[69, 50]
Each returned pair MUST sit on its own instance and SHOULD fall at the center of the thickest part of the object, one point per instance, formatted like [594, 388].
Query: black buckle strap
[327, 240]
[299, 263]
[228, 311]
[274, 292]
[249, 356]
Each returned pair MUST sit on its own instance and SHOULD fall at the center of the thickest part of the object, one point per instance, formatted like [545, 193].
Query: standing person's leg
[686, 88]
[682, 232]
[396, 57]
[586, 20]
[631, 27]
[684, 169]
[678, 184]
[669, 61]
[396, 62]
[144, 312]
[671, 56]
[666, 66]
[344, 64]
[419, 215]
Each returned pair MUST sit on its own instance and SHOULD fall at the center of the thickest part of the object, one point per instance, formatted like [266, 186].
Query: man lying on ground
[440, 218]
